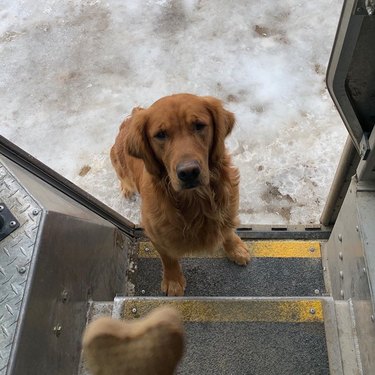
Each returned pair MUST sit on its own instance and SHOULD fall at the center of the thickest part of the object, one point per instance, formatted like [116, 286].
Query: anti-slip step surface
[246, 336]
[255, 349]
[277, 268]
[263, 319]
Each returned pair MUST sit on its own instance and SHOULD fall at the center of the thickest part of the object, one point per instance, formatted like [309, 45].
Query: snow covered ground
[72, 70]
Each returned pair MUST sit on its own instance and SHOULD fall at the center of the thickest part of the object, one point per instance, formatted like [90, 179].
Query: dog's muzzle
[188, 172]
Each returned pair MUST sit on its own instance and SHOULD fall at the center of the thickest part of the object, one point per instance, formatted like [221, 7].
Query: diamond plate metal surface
[16, 253]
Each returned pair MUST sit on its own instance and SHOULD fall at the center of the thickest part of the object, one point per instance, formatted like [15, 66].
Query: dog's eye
[198, 126]
[161, 135]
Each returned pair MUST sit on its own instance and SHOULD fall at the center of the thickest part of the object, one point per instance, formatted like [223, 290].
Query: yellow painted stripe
[258, 249]
[285, 249]
[301, 311]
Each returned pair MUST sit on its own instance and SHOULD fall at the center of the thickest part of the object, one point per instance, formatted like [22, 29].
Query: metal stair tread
[262, 335]
[278, 268]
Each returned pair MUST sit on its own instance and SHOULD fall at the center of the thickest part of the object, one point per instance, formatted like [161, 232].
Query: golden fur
[152, 345]
[177, 132]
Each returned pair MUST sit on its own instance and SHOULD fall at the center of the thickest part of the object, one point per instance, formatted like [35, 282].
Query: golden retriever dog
[173, 154]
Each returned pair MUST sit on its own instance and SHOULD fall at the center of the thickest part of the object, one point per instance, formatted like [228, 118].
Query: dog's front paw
[128, 194]
[237, 251]
[173, 287]
[126, 190]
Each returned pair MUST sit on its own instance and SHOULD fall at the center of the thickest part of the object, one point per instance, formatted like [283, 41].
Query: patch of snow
[71, 71]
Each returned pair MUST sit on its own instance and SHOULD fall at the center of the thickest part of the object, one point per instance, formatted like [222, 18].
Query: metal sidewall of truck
[61, 257]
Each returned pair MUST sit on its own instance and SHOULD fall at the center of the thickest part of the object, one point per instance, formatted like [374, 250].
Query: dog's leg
[123, 173]
[174, 282]
[236, 249]
[127, 188]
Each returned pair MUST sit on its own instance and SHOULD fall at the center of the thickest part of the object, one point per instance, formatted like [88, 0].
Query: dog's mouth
[190, 185]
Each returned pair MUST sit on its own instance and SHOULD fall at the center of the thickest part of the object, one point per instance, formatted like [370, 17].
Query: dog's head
[181, 135]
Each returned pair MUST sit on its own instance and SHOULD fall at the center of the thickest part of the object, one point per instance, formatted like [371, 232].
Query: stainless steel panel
[16, 252]
[77, 261]
[351, 255]
[366, 217]
[345, 253]
[76, 257]
[347, 339]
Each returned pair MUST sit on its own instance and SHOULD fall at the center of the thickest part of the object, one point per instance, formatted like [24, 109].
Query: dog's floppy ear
[137, 143]
[223, 122]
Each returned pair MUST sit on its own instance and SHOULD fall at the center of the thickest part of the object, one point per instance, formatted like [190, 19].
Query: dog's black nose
[188, 171]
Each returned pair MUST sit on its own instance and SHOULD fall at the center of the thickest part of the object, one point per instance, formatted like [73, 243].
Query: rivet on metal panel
[312, 311]
[134, 310]
[340, 237]
[57, 330]
[340, 255]
[312, 249]
[35, 212]
[1, 208]
[316, 291]
[147, 249]
[341, 274]
[21, 270]
[143, 291]
[12, 224]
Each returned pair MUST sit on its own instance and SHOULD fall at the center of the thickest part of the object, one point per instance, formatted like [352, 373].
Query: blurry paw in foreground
[152, 345]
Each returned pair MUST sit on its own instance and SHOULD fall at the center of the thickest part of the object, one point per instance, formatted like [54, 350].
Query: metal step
[267, 318]
[277, 268]
[244, 335]
[255, 335]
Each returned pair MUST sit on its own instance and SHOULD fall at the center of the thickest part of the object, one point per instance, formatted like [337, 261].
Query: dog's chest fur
[190, 221]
